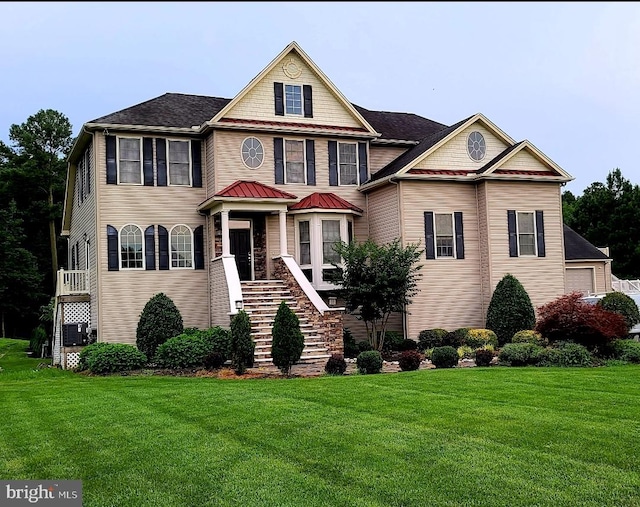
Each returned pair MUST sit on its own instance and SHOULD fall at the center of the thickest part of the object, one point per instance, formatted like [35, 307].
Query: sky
[565, 76]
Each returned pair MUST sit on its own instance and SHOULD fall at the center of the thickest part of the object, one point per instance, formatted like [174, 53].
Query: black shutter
[77, 255]
[311, 162]
[112, 248]
[278, 156]
[147, 160]
[150, 248]
[333, 163]
[457, 216]
[73, 257]
[428, 235]
[362, 159]
[80, 179]
[308, 101]
[540, 233]
[198, 247]
[87, 164]
[112, 168]
[278, 93]
[161, 162]
[196, 164]
[513, 238]
[163, 248]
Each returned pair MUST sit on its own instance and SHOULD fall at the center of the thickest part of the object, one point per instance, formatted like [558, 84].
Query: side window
[293, 99]
[131, 248]
[179, 163]
[294, 161]
[444, 235]
[181, 247]
[348, 162]
[129, 160]
[526, 234]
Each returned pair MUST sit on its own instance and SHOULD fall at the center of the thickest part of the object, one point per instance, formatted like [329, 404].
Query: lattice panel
[77, 312]
[72, 360]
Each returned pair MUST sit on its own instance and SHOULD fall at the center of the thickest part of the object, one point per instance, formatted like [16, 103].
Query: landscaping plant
[288, 340]
[622, 304]
[429, 338]
[336, 365]
[160, 320]
[444, 357]
[510, 309]
[242, 346]
[410, 360]
[483, 357]
[369, 362]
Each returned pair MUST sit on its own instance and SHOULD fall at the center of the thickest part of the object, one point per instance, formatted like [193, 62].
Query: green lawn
[473, 436]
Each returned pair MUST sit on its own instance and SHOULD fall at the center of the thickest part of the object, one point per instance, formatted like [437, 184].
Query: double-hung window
[293, 99]
[294, 161]
[304, 245]
[129, 160]
[179, 163]
[526, 233]
[181, 247]
[444, 235]
[131, 247]
[348, 162]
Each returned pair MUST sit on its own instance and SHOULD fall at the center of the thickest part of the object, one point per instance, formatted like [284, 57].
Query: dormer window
[293, 99]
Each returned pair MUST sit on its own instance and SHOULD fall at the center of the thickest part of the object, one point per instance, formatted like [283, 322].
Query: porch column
[283, 232]
[224, 217]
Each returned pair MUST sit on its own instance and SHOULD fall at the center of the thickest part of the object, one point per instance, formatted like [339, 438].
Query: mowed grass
[473, 436]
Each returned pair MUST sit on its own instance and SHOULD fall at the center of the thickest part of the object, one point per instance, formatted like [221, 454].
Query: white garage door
[579, 279]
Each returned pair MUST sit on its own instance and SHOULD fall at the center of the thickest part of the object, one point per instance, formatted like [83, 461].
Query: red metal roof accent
[525, 173]
[446, 172]
[324, 200]
[253, 190]
[292, 124]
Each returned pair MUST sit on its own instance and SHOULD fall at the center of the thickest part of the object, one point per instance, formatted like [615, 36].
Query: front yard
[464, 436]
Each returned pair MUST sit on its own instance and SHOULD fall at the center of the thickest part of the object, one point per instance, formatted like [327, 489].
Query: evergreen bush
[38, 339]
[369, 362]
[159, 321]
[530, 336]
[622, 304]
[242, 347]
[444, 357]
[627, 350]
[430, 338]
[115, 357]
[349, 343]
[478, 338]
[288, 340]
[519, 354]
[336, 365]
[183, 351]
[510, 309]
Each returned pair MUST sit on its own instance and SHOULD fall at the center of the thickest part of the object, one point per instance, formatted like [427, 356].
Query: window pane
[179, 162]
[129, 163]
[527, 244]
[305, 243]
[181, 251]
[131, 247]
[525, 223]
[348, 165]
[444, 225]
[304, 231]
[294, 155]
[444, 247]
[330, 236]
[293, 99]
[129, 149]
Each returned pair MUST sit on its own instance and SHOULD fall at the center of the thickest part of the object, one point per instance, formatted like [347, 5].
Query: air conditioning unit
[74, 334]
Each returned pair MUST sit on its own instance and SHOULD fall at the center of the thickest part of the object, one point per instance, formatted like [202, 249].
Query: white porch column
[224, 216]
[283, 232]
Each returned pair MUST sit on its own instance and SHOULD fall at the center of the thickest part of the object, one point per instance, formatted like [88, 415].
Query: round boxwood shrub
[159, 321]
[456, 338]
[410, 360]
[349, 343]
[530, 336]
[565, 354]
[336, 365]
[619, 302]
[183, 351]
[519, 354]
[510, 309]
[369, 361]
[115, 357]
[478, 338]
[483, 357]
[430, 338]
[444, 357]
[627, 350]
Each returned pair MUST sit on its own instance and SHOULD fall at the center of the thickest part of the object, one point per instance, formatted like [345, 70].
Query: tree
[242, 346]
[160, 320]
[510, 309]
[287, 340]
[377, 280]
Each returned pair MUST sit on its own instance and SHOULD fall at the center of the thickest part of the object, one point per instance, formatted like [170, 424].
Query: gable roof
[325, 200]
[401, 126]
[578, 248]
[253, 190]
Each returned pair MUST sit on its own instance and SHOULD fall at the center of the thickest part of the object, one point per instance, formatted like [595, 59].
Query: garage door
[579, 279]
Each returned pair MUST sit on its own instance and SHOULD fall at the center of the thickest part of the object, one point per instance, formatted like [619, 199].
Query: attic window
[293, 99]
[476, 146]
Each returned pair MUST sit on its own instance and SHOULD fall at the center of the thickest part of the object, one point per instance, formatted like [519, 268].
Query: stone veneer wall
[328, 325]
[259, 248]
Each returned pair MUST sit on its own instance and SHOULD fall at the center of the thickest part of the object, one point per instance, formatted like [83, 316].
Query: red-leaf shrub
[570, 318]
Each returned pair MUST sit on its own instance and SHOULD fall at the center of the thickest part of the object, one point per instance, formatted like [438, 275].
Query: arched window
[131, 247]
[181, 247]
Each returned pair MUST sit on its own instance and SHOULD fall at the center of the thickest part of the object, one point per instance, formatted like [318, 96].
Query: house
[235, 203]
[588, 268]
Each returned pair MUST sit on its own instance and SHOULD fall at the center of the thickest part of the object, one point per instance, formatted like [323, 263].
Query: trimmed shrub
[444, 357]
[160, 320]
[530, 336]
[220, 340]
[568, 318]
[369, 362]
[478, 338]
[242, 347]
[456, 338]
[430, 338]
[38, 339]
[214, 360]
[364, 346]
[627, 350]
[410, 360]
[483, 357]
[349, 343]
[392, 342]
[183, 351]
[336, 365]
[115, 357]
[191, 331]
[565, 354]
[465, 352]
[288, 340]
[519, 354]
[87, 352]
[622, 304]
[510, 309]
[408, 344]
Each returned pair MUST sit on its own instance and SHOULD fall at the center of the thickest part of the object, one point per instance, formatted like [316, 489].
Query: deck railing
[71, 282]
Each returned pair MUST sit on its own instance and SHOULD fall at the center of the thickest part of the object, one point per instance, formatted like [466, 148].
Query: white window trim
[118, 159]
[357, 183]
[304, 161]
[535, 235]
[284, 99]
[304, 218]
[192, 247]
[435, 235]
[190, 170]
[120, 248]
[242, 154]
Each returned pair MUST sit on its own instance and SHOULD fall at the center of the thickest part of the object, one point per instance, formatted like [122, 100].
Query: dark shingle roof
[409, 156]
[576, 247]
[498, 158]
[168, 110]
[406, 126]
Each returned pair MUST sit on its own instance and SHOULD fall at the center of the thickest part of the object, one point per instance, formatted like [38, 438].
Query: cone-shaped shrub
[287, 342]
[159, 321]
[242, 346]
[510, 309]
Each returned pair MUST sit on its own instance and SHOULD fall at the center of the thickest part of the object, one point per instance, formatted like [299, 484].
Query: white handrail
[75, 281]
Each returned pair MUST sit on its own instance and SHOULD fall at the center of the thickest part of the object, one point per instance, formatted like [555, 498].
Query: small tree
[288, 341]
[619, 302]
[510, 309]
[159, 321]
[242, 346]
[377, 280]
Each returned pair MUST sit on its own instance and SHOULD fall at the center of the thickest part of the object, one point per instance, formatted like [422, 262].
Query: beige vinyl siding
[601, 273]
[454, 155]
[542, 277]
[449, 289]
[384, 214]
[359, 331]
[208, 169]
[380, 156]
[524, 161]
[259, 102]
[124, 293]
